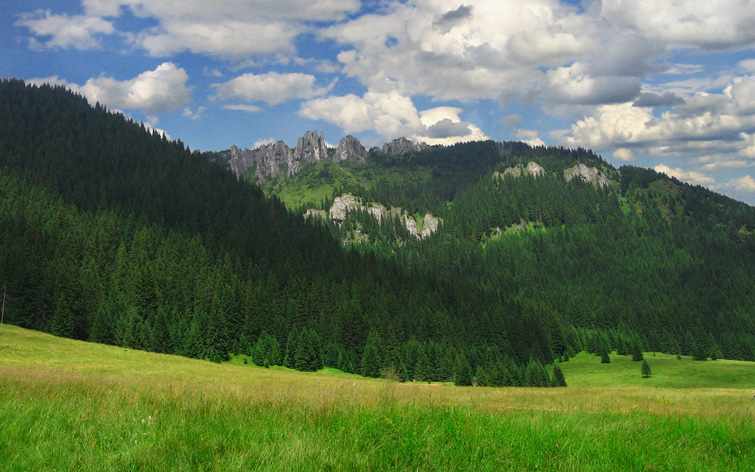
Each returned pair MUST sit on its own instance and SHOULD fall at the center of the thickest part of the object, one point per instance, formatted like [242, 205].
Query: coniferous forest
[114, 234]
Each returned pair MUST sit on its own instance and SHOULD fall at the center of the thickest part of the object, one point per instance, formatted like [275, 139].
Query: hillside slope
[113, 234]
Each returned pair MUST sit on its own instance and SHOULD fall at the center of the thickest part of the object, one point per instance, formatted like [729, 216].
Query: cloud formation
[272, 88]
[154, 92]
[64, 31]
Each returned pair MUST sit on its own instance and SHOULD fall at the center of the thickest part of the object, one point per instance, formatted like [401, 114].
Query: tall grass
[66, 405]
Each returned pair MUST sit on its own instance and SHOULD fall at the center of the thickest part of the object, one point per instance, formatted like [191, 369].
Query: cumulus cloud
[692, 177]
[158, 91]
[389, 114]
[575, 85]
[687, 23]
[154, 92]
[443, 125]
[745, 183]
[623, 154]
[64, 31]
[652, 100]
[705, 122]
[529, 136]
[392, 115]
[272, 88]
[233, 29]
[446, 128]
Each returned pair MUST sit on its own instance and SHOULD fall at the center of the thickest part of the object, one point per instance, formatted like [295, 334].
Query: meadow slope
[70, 405]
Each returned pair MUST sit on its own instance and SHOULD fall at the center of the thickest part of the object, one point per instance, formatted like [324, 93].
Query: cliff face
[270, 161]
[589, 174]
[311, 148]
[350, 150]
[403, 146]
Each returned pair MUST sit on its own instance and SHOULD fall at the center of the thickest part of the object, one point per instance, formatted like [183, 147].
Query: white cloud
[745, 183]
[272, 88]
[193, 115]
[64, 31]
[393, 115]
[234, 29]
[623, 154]
[247, 108]
[687, 23]
[442, 125]
[390, 114]
[263, 142]
[154, 92]
[226, 37]
[157, 91]
[693, 177]
[705, 122]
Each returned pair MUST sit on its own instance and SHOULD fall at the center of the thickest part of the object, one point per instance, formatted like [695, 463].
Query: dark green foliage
[462, 371]
[308, 355]
[636, 352]
[114, 234]
[645, 370]
[371, 359]
[536, 375]
[558, 377]
[604, 357]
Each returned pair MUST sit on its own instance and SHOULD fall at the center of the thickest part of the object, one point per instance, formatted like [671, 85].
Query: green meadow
[69, 405]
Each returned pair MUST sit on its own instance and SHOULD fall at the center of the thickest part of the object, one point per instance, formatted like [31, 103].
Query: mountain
[114, 234]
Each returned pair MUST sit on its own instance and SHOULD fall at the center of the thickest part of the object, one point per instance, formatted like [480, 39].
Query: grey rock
[311, 148]
[403, 146]
[534, 169]
[588, 174]
[350, 150]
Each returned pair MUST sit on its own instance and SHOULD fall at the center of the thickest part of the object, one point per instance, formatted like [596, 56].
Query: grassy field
[68, 405]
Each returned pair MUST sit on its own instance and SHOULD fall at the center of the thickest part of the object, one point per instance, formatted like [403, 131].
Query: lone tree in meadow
[645, 370]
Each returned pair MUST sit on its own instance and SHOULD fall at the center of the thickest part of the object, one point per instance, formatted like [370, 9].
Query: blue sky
[666, 84]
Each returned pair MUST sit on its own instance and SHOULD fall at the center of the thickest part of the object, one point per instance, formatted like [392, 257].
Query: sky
[664, 84]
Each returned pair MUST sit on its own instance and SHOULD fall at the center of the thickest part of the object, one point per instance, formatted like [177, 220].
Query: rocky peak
[403, 146]
[271, 159]
[589, 174]
[311, 148]
[350, 150]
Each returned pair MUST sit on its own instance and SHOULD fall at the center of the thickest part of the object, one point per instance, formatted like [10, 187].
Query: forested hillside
[111, 233]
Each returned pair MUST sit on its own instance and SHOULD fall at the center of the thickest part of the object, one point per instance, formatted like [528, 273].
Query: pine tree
[463, 371]
[558, 377]
[371, 357]
[636, 352]
[645, 369]
[604, 358]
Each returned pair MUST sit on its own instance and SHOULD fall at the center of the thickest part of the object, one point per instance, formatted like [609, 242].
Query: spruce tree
[463, 371]
[645, 369]
[604, 358]
[371, 357]
[558, 377]
[636, 352]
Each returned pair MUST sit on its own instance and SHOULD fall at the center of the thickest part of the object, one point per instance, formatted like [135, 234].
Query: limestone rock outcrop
[589, 174]
[350, 150]
[534, 169]
[311, 148]
[342, 205]
[403, 146]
